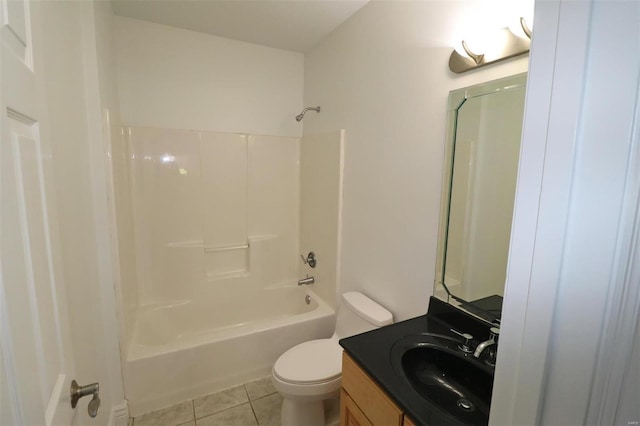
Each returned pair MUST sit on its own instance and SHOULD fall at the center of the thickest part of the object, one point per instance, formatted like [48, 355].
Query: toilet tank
[357, 314]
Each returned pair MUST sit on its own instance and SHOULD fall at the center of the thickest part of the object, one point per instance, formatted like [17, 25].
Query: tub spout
[306, 281]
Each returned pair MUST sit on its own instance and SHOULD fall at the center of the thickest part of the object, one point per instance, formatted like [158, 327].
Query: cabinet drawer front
[376, 405]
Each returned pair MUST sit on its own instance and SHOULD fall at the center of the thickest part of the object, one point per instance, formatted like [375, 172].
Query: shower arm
[300, 116]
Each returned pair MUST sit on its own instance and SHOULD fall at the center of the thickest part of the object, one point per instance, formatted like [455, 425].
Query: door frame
[99, 126]
[562, 231]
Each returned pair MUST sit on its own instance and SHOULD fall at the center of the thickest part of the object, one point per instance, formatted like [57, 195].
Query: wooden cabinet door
[350, 413]
[368, 396]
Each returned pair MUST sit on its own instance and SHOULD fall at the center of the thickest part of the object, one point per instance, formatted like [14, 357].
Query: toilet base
[311, 413]
[332, 411]
[308, 413]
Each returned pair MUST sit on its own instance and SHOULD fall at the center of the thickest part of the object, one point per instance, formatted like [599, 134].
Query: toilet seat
[313, 362]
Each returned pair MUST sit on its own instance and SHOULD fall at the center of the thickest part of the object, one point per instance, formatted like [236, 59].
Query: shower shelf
[227, 248]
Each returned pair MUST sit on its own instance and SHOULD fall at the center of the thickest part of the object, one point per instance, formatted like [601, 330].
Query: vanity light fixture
[505, 44]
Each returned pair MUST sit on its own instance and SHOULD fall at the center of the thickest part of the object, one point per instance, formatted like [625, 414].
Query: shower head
[300, 116]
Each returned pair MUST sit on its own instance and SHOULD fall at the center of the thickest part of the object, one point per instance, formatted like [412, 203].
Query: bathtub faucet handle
[310, 259]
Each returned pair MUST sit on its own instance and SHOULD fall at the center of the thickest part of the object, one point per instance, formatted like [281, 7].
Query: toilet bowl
[308, 375]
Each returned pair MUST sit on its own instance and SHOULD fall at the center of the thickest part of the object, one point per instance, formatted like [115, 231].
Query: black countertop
[371, 350]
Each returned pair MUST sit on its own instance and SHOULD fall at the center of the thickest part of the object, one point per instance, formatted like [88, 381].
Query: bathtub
[189, 349]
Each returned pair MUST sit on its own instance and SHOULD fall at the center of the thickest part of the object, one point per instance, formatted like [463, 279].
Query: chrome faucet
[494, 332]
[306, 281]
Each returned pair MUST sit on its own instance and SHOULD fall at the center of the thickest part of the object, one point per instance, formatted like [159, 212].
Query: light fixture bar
[510, 45]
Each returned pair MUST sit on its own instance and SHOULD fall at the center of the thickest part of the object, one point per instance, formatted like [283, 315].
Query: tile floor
[253, 404]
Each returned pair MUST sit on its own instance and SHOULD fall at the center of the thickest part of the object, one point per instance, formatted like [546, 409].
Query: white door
[36, 359]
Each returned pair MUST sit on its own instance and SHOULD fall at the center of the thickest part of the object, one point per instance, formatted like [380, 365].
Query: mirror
[484, 127]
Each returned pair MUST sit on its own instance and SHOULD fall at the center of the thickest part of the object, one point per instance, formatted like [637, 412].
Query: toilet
[308, 376]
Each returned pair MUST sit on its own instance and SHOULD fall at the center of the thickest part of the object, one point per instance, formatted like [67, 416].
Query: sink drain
[465, 404]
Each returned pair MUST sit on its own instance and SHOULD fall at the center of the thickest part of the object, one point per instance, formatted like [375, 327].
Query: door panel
[16, 35]
[20, 333]
[17, 21]
[37, 363]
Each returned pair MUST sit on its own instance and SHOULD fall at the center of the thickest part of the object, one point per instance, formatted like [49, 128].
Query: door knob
[78, 392]
[93, 406]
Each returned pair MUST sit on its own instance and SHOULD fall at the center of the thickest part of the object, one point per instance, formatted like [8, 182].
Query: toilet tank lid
[367, 309]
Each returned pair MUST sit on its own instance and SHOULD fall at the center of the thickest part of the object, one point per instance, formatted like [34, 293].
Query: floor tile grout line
[255, 416]
[261, 396]
[225, 410]
[264, 396]
[221, 411]
[253, 410]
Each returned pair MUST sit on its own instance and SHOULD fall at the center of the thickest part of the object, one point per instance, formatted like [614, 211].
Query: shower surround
[209, 233]
[211, 207]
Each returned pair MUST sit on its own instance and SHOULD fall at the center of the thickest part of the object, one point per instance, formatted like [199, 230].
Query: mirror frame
[456, 99]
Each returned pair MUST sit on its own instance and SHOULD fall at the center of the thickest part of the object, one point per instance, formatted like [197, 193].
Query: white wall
[173, 78]
[383, 76]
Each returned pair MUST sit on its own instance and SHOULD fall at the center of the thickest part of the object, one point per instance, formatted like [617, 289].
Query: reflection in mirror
[481, 164]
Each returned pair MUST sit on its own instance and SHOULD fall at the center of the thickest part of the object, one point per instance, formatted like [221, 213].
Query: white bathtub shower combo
[210, 230]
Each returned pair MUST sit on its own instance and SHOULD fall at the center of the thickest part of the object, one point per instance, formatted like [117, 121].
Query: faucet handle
[310, 259]
[494, 333]
[465, 336]
[466, 346]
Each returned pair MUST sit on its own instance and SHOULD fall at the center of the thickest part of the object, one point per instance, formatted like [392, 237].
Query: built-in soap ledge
[224, 262]
[259, 261]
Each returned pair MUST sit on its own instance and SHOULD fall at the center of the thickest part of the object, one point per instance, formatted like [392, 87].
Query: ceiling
[296, 25]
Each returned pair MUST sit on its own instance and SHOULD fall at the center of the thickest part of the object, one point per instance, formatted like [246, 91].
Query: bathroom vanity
[385, 381]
